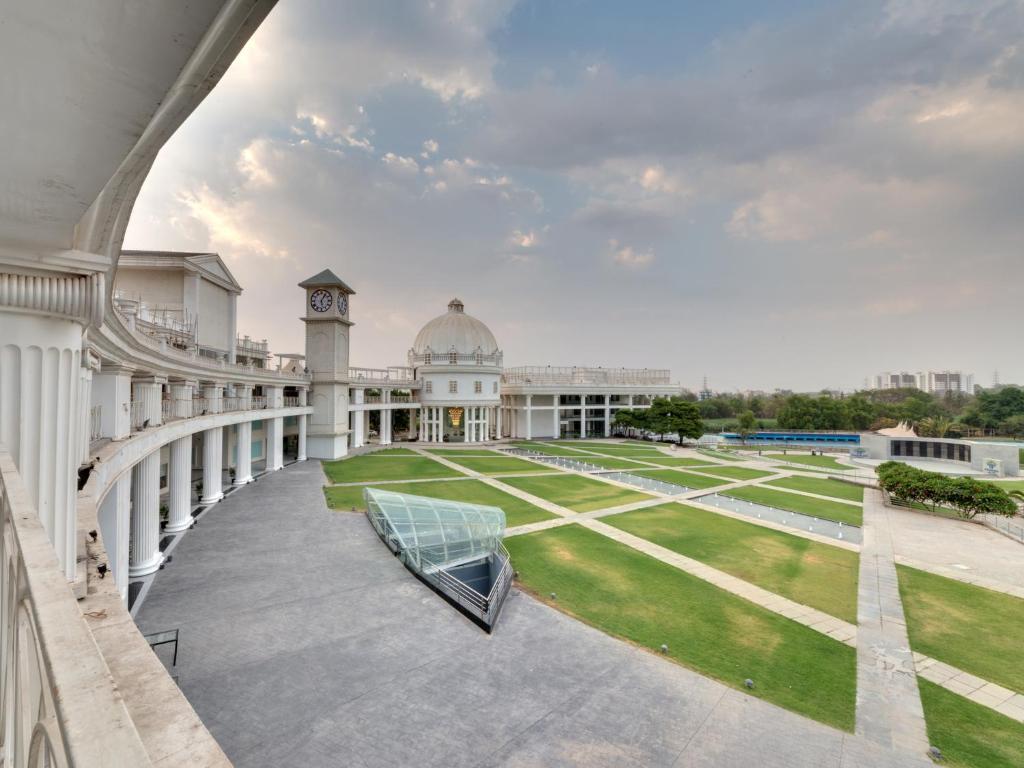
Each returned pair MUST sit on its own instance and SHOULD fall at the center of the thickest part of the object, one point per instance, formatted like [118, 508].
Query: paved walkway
[304, 643]
[889, 711]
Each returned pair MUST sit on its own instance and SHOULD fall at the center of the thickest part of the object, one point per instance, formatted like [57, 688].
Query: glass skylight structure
[453, 546]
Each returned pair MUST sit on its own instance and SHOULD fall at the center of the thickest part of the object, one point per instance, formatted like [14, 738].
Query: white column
[607, 416]
[302, 438]
[529, 417]
[499, 415]
[358, 435]
[275, 444]
[179, 485]
[214, 394]
[90, 364]
[275, 396]
[112, 391]
[114, 519]
[583, 416]
[303, 396]
[144, 537]
[439, 425]
[244, 394]
[243, 443]
[148, 391]
[487, 423]
[40, 358]
[213, 446]
[556, 416]
[181, 395]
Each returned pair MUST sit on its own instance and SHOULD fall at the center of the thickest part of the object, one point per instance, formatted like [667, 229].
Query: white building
[456, 389]
[129, 367]
[935, 382]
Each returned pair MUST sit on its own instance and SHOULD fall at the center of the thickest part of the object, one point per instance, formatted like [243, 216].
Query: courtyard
[711, 630]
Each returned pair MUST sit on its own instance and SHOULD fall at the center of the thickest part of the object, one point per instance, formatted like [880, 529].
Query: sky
[792, 195]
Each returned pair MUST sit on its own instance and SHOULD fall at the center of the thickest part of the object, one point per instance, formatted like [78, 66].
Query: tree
[747, 424]
[674, 414]
[624, 420]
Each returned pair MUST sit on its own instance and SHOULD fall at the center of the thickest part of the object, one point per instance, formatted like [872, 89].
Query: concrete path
[305, 643]
[889, 711]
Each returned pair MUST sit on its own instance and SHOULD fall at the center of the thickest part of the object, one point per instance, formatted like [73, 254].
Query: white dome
[455, 329]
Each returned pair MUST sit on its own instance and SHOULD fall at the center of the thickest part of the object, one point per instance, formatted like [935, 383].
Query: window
[478, 387]
[426, 359]
[495, 388]
[428, 387]
[479, 356]
[453, 357]
[453, 387]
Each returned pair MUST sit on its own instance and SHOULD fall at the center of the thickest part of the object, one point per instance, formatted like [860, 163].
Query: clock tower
[327, 339]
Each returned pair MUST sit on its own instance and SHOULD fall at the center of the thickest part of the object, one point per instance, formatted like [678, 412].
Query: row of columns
[516, 430]
[130, 514]
[360, 426]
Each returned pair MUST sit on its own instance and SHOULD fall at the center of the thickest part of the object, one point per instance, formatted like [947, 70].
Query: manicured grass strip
[719, 455]
[814, 574]
[680, 461]
[736, 473]
[969, 627]
[393, 452]
[688, 479]
[1010, 485]
[517, 511]
[633, 596]
[549, 448]
[360, 469]
[970, 735]
[832, 510]
[826, 462]
[496, 465]
[791, 468]
[823, 486]
[577, 493]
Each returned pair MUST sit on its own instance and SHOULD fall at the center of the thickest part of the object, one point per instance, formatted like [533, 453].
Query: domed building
[457, 359]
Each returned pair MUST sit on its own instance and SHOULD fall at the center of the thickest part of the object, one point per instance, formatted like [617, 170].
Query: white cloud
[251, 163]
[628, 256]
[399, 164]
[525, 240]
[430, 147]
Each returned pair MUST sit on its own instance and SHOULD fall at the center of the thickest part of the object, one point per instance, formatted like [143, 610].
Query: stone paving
[304, 643]
[889, 711]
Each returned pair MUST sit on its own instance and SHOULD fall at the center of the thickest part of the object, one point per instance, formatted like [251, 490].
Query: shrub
[969, 497]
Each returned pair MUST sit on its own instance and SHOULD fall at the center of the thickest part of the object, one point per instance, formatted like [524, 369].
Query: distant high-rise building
[936, 382]
[705, 393]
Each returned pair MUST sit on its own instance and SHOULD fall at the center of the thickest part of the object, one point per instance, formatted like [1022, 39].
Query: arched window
[453, 356]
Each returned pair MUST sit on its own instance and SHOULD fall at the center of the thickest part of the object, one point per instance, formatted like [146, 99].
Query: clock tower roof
[326, 279]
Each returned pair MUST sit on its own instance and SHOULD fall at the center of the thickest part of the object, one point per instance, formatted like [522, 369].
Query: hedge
[966, 495]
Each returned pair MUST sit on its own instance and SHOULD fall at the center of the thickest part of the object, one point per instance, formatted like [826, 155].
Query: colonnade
[130, 514]
[524, 419]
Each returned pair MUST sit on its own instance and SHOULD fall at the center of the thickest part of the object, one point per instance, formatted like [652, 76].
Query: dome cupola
[455, 333]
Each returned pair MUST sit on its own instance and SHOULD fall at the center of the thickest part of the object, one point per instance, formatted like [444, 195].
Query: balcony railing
[136, 413]
[291, 402]
[398, 375]
[454, 358]
[549, 375]
[59, 704]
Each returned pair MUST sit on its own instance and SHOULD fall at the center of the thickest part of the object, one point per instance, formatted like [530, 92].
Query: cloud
[627, 256]
[401, 165]
[430, 147]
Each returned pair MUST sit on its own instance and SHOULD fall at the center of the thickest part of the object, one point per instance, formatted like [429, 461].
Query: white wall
[215, 322]
[158, 288]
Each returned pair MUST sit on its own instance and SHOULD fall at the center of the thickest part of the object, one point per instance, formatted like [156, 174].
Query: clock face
[342, 303]
[320, 300]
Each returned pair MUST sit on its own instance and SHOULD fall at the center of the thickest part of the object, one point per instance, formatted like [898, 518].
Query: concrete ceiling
[79, 82]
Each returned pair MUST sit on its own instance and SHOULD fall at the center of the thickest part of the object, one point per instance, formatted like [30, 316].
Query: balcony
[554, 376]
[396, 376]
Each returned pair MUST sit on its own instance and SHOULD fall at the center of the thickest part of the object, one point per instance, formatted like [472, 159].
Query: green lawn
[577, 493]
[496, 465]
[823, 486]
[719, 454]
[969, 627]
[826, 462]
[362, 469]
[680, 461]
[633, 596]
[517, 511]
[1010, 485]
[817, 575]
[970, 735]
[394, 452]
[832, 510]
[688, 479]
[791, 468]
[611, 449]
[736, 473]
[549, 448]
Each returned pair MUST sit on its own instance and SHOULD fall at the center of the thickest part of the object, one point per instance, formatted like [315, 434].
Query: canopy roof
[433, 534]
